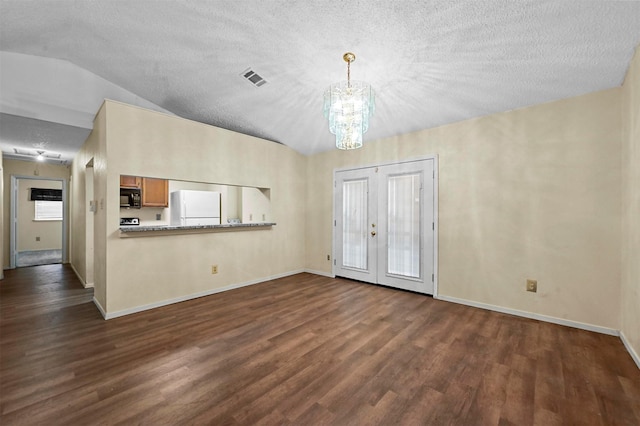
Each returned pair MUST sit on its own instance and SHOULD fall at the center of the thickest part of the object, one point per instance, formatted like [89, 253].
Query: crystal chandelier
[348, 105]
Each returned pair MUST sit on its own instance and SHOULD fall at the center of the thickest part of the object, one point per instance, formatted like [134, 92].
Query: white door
[356, 245]
[385, 225]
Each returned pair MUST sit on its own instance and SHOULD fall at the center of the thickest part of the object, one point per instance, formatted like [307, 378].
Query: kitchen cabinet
[155, 192]
[130, 181]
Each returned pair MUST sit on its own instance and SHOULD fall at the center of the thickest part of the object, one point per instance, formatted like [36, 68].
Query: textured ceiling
[430, 62]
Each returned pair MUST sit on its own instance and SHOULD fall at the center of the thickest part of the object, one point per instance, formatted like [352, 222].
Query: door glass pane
[403, 236]
[354, 224]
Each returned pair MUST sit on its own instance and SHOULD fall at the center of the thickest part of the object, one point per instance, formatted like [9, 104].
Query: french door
[385, 225]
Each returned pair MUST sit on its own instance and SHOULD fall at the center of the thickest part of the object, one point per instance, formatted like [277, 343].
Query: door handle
[373, 233]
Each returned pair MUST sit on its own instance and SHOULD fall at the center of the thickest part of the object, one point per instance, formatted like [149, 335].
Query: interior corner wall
[630, 327]
[151, 270]
[93, 150]
[530, 193]
[13, 167]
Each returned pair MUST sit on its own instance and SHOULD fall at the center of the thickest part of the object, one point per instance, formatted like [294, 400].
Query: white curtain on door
[403, 234]
[354, 224]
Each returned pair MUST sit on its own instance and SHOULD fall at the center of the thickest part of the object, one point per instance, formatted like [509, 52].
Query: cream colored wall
[532, 193]
[233, 207]
[25, 168]
[255, 205]
[48, 233]
[93, 151]
[146, 270]
[630, 326]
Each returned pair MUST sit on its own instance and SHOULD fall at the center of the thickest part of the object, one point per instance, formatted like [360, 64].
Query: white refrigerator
[192, 208]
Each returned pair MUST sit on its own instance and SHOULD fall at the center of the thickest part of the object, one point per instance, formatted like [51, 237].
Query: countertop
[141, 228]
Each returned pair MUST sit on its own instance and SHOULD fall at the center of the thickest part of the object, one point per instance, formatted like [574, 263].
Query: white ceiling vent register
[253, 78]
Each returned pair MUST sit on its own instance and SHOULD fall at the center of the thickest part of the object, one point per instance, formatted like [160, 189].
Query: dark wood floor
[300, 350]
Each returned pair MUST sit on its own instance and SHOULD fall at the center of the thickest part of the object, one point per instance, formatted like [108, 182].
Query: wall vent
[252, 77]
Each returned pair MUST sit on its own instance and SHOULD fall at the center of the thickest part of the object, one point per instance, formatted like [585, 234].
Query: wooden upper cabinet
[130, 181]
[155, 192]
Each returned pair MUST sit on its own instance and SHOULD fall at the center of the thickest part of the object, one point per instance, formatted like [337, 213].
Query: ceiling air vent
[253, 78]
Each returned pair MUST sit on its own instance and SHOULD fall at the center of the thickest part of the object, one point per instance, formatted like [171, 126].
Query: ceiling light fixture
[348, 105]
[39, 154]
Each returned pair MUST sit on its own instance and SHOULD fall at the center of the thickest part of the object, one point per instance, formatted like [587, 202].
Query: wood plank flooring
[301, 350]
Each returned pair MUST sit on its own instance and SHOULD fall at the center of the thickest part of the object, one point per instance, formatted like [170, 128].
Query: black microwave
[131, 197]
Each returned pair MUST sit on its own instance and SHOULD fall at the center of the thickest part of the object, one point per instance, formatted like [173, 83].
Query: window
[48, 210]
[46, 194]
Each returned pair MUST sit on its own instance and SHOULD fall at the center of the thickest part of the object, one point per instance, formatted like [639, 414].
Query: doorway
[385, 225]
[38, 221]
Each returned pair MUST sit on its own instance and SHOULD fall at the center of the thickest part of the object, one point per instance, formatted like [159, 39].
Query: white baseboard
[146, 307]
[100, 308]
[77, 275]
[532, 315]
[322, 273]
[82, 281]
[632, 352]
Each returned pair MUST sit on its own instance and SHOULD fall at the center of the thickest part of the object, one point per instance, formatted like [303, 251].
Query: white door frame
[433, 157]
[90, 207]
[13, 228]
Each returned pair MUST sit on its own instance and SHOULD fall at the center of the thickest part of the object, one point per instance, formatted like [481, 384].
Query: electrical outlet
[214, 269]
[158, 216]
[328, 257]
[532, 286]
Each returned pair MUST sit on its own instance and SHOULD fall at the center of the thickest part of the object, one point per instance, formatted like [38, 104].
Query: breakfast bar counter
[149, 230]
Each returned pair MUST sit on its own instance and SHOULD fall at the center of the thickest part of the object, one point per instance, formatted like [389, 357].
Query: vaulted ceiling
[430, 62]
